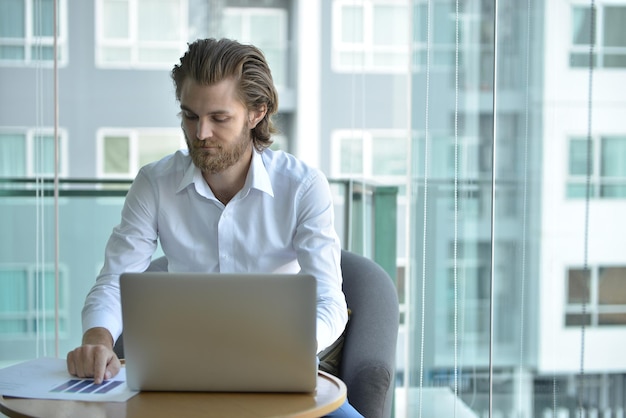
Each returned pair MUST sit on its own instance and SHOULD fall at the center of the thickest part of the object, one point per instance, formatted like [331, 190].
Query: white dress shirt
[280, 221]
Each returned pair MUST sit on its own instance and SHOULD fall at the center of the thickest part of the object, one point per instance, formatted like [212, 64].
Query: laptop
[219, 332]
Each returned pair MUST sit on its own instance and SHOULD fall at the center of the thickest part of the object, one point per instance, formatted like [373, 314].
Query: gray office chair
[366, 362]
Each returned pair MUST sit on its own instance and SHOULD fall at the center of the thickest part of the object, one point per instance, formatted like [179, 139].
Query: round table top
[330, 395]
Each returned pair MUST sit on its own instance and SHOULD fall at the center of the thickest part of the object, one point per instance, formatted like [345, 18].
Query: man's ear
[255, 116]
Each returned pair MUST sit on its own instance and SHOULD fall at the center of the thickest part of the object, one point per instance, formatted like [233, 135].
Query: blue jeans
[345, 411]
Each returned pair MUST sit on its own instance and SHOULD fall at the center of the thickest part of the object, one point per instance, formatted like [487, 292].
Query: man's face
[215, 124]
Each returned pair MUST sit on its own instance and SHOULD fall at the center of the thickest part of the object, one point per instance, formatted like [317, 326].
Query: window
[30, 153]
[140, 33]
[380, 154]
[606, 166]
[602, 290]
[609, 38]
[27, 302]
[266, 28]
[370, 35]
[122, 152]
[473, 274]
[27, 32]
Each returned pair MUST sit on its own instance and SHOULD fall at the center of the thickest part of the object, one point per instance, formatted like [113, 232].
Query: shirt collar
[257, 178]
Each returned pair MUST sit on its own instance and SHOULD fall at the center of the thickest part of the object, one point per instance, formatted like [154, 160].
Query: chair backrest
[368, 361]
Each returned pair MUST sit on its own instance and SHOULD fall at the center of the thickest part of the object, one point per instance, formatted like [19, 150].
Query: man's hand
[95, 358]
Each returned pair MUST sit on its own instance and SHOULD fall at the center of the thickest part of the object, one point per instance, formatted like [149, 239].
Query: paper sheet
[48, 378]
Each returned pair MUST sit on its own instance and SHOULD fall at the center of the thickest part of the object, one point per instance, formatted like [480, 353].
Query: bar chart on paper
[86, 386]
[47, 378]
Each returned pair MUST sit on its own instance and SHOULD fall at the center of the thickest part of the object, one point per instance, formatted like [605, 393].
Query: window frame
[29, 41]
[282, 43]
[367, 47]
[599, 49]
[32, 312]
[368, 136]
[597, 181]
[133, 135]
[593, 308]
[132, 42]
[30, 134]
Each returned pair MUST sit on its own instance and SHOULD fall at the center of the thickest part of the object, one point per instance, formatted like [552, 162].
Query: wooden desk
[330, 395]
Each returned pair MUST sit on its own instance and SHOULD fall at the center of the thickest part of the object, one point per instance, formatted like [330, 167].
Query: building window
[140, 33]
[27, 32]
[370, 35]
[380, 154]
[122, 152]
[609, 39]
[30, 153]
[603, 160]
[27, 302]
[265, 28]
[602, 291]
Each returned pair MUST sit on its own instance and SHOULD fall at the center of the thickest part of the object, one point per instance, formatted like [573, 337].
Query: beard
[220, 157]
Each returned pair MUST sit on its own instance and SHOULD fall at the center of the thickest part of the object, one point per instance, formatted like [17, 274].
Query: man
[227, 204]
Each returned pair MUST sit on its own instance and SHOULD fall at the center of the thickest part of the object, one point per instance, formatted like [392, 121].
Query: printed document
[48, 378]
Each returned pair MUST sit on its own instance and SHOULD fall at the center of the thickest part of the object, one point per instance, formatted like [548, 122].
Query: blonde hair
[209, 61]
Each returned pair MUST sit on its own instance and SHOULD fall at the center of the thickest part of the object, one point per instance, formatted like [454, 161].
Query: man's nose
[204, 130]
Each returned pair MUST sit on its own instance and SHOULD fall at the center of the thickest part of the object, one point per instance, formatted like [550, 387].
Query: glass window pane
[398, 60]
[158, 55]
[581, 60]
[612, 286]
[579, 190]
[43, 161]
[50, 292]
[390, 25]
[159, 20]
[614, 61]
[578, 163]
[12, 52]
[420, 16]
[612, 319]
[351, 151]
[116, 54]
[614, 30]
[12, 19]
[444, 30]
[613, 191]
[43, 16]
[232, 24]
[389, 156]
[443, 58]
[613, 157]
[577, 320]
[352, 24]
[578, 286]
[14, 296]
[581, 25]
[12, 155]
[266, 29]
[116, 155]
[277, 60]
[115, 19]
[153, 147]
[42, 53]
[355, 58]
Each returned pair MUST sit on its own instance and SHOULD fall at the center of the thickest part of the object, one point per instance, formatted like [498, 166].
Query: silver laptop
[219, 332]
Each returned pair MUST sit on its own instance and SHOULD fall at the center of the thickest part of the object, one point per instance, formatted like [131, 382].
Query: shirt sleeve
[129, 249]
[319, 254]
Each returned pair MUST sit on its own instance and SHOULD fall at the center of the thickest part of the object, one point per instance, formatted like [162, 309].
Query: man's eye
[220, 119]
[190, 116]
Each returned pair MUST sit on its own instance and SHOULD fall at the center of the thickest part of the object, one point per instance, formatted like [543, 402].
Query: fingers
[97, 361]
